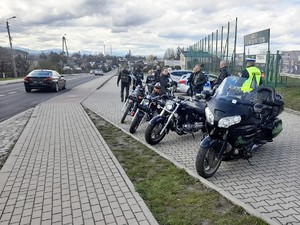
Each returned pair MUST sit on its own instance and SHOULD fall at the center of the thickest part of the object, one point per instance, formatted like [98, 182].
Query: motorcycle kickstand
[193, 135]
[248, 160]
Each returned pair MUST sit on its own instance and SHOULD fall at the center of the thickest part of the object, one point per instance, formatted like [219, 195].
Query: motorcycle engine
[192, 127]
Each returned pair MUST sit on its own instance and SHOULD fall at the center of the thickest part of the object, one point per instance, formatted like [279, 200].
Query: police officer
[252, 73]
[124, 77]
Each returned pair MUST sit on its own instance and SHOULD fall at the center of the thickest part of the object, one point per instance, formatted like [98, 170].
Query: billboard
[256, 38]
[290, 63]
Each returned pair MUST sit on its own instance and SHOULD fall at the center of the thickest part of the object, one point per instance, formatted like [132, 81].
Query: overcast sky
[143, 26]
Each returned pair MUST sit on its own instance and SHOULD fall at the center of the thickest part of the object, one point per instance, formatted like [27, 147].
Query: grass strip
[172, 195]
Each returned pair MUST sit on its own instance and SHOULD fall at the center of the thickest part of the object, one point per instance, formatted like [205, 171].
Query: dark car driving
[44, 79]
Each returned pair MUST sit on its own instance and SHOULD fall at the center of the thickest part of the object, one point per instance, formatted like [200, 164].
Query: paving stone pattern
[271, 187]
[61, 171]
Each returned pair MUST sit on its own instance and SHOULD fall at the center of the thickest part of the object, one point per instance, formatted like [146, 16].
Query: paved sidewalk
[61, 171]
[269, 189]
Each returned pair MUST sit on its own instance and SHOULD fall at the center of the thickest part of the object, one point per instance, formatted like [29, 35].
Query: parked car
[44, 79]
[98, 72]
[175, 76]
[184, 87]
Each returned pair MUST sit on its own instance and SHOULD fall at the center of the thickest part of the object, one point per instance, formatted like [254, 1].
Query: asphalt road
[14, 99]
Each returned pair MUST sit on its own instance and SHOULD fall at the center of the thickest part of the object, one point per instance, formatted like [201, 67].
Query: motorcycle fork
[170, 117]
[224, 145]
[125, 105]
[136, 114]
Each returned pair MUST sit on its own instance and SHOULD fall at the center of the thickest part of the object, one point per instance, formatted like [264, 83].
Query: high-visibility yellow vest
[253, 72]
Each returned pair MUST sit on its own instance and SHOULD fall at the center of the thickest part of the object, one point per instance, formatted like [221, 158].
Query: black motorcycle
[146, 110]
[131, 103]
[180, 115]
[237, 123]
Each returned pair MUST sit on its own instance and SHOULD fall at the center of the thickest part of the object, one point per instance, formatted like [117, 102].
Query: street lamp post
[11, 48]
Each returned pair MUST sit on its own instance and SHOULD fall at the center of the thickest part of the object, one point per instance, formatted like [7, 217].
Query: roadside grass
[172, 195]
[8, 78]
[291, 93]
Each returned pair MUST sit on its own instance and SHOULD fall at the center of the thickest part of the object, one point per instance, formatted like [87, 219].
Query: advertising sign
[259, 37]
[290, 63]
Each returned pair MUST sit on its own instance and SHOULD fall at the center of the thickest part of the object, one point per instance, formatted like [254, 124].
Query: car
[98, 72]
[92, 71]
[175, 76]
[184, 87]
[44, 79]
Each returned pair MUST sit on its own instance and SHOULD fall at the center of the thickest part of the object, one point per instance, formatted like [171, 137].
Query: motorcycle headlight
[170, 105]
[146, 102]
[209, 116]
[229, 121]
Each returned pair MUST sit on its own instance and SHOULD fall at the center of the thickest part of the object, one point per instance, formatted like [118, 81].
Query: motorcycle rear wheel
[135, 123]
[207, 161]
[127, 110]
[152, 133]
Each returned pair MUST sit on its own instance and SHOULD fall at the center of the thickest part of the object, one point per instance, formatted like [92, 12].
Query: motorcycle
[133, 100]
[237, 123]
[146, 110]
[180, 115]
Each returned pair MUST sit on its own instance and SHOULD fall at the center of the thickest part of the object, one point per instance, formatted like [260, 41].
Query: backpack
[124, 77]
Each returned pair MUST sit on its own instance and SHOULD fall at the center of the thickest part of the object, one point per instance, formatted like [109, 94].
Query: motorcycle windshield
[230, 90]
[230, 100]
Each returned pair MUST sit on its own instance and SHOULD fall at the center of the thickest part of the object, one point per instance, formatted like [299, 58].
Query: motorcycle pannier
[274, 129]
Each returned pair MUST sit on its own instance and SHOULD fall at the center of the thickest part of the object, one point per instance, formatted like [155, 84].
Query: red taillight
[182, 82]
[48, 79]
[27, 78]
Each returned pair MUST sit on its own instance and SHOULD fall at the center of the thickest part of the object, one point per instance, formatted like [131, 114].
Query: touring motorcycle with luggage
[237, 123]
[180, 115]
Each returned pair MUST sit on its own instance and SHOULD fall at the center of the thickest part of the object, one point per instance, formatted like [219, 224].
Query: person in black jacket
[150, 81]
[224, 72]
[124, 77]
[164, 81]
[199, 79]
[139, 77]
[157, 73]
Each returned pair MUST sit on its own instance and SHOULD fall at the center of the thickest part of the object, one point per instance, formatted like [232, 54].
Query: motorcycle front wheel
[136, 122]
[152, 133]
[127, 110]
[207, 161]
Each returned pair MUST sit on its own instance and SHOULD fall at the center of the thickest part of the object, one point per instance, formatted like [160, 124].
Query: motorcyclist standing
[139, 77]
[150, 81]
[157, 73]
[224, 72]
[124, 77]
[199, 79]
[164, 80]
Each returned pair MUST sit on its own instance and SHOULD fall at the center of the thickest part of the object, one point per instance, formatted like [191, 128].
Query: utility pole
[11, 48]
